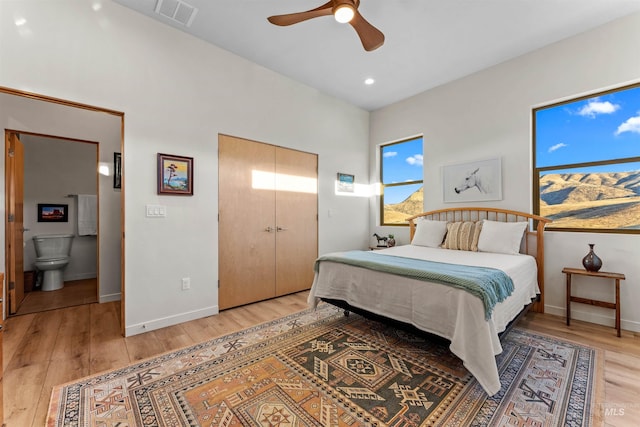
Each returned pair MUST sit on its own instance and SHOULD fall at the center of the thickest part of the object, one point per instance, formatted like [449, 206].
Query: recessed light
[20, 22]
[369, 81]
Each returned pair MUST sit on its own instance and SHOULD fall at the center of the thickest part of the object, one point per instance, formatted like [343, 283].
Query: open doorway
[28, 113]
[58, 225]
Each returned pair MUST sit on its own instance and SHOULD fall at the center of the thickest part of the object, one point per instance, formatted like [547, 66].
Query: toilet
[52, 252]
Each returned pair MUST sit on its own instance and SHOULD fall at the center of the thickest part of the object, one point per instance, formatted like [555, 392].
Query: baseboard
[110, 298]
[152, 325]
[599, 319]
[80, 276]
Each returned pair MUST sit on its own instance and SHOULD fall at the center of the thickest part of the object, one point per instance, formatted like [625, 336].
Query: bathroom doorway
[58, 175]
[31, 113]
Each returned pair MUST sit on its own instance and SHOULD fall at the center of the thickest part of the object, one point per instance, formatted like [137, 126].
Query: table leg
[568, 298]
[618, 306]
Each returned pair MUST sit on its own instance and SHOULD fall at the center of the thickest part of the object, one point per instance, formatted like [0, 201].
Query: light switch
[156, 211]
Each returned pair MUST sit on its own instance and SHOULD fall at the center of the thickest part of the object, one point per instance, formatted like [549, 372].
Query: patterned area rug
[320, 368]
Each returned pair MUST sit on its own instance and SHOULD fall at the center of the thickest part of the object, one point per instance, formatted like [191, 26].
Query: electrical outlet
[186, 283]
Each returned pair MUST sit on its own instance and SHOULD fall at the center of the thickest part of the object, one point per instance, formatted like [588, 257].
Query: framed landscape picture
[175, 175]
[53, 213]
[346, 182]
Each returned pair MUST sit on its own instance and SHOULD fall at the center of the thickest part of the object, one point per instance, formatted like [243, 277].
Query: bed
[500, 247]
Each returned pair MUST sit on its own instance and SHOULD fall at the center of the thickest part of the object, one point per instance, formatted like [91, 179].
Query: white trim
[608, 320]
[163, 322]
[110, 298]
[80, 276]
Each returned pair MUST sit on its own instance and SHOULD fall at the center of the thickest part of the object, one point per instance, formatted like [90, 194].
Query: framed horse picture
[472, 182]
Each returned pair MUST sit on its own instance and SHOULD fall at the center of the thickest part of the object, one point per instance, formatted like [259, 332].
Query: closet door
[247, 235]
[296, 219]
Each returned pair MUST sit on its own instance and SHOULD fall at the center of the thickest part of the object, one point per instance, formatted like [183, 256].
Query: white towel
[87, 215]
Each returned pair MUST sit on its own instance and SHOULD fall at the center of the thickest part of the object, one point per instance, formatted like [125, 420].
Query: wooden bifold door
[268, 220]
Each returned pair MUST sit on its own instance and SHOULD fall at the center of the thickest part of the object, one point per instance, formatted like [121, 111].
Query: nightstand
[615, 306]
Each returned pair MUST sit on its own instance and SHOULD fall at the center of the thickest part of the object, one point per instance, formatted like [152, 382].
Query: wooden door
[296, 219]
[1, 361]
[14, 239]
[246, 238]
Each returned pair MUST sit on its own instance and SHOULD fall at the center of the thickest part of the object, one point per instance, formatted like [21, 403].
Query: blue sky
[599, 128]
[400, 163]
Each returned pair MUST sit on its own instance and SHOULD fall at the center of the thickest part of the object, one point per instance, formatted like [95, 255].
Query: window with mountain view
[587, 162]
[401, 179]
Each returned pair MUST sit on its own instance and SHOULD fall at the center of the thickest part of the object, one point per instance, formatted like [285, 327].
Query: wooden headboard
[533, 243]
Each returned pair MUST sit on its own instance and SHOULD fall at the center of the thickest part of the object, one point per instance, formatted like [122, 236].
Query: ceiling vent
[176, 10]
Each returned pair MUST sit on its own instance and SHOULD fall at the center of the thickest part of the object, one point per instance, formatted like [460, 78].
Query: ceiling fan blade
[370, 36]
[294, 18]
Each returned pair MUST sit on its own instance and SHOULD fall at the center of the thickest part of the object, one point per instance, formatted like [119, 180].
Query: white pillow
[429, 233]
[501, 237]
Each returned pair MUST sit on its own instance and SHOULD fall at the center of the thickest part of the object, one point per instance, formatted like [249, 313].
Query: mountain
[397, 213]
[558, 189]
[591, 200]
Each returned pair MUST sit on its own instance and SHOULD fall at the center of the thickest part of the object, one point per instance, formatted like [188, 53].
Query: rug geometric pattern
[320, 368]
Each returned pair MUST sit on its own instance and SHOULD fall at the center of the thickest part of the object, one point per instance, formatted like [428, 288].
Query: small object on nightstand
[391, 242]
[615, 306]
[382, 240]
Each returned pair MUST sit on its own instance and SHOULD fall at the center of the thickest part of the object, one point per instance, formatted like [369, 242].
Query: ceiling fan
[344, 11]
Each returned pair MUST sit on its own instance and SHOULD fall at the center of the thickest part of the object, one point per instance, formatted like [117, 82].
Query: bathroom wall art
[53, 213]
[117, 170]
[175, 175]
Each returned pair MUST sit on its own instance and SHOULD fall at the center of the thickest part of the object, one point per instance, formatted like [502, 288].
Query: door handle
[281, 229]
[269, 229]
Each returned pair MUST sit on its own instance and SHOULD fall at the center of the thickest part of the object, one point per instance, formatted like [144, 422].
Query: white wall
[178, 94]
[488, 114]
[54, 169]
[29, 115]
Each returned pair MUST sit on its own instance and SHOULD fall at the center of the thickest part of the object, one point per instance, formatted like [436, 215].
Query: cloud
[556, 147]
[415, 160]
[631, 125]
[390, 154]
[595, 107]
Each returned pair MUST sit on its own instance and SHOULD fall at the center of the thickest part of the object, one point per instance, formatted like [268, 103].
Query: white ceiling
[428, 42]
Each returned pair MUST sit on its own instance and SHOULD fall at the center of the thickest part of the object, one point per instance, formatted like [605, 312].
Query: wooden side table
[615, 306]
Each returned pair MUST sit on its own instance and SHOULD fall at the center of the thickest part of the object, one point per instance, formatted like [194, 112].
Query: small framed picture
[117, 170]
[175, 175]
[346, 182]
[53, 213]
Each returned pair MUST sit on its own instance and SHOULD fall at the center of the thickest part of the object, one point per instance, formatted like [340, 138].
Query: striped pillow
[463, 235]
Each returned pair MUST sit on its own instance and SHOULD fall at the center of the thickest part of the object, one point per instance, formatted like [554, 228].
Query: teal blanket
[489, 284]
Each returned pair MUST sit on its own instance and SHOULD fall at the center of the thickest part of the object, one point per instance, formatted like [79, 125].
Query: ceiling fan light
[344, 13]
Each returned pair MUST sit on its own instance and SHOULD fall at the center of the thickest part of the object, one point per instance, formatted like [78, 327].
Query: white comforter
[442, 310]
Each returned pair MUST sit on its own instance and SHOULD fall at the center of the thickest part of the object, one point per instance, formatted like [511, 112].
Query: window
[586, 156]
[401, 178]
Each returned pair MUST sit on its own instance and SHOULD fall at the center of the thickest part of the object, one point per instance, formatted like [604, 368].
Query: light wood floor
[54, 347]
[76, 292]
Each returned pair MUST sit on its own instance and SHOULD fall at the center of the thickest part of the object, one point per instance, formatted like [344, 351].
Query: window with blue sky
[401, 177]
[587, 162]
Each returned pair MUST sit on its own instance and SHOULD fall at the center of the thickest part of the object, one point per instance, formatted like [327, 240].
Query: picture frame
[175, 175]
[48, 212]
[117, 170]
[472, 182]
[346, 183]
